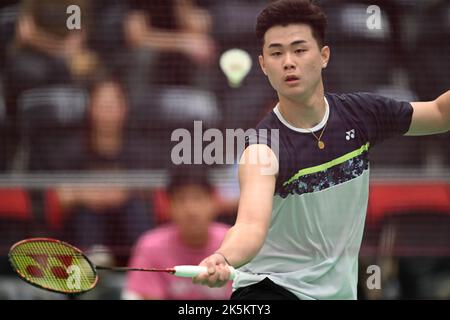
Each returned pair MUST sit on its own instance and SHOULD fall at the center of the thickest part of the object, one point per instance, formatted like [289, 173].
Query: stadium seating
[16, 223]
[15, 220]
[3, 128]
[106, 31]
[398, 213]
[51, 117]
[429, 67]
[156, 112]
[8, 17]
[362, 59]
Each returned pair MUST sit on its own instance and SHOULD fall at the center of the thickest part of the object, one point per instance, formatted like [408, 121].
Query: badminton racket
[57, 266]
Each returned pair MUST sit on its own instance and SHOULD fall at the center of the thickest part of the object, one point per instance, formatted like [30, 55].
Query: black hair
[105, 74]
[189, 175]
[285, 12]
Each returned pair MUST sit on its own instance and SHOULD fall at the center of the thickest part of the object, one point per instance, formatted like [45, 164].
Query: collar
[314, 129]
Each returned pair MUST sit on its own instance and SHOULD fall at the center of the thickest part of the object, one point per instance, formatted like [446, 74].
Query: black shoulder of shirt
[271, 121]
[358, 101]
[362, 98]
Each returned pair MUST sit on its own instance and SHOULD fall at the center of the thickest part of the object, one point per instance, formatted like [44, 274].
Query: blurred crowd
[107, 97]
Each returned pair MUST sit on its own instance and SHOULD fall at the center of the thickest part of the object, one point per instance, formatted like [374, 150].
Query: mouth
[291, 79]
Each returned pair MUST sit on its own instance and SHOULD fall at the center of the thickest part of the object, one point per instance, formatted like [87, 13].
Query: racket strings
[53, 266]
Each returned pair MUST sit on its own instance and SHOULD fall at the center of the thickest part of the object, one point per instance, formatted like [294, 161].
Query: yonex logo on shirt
[350, 134]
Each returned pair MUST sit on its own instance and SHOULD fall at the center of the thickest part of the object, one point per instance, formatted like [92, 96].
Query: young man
[191, 235]
[299, 230]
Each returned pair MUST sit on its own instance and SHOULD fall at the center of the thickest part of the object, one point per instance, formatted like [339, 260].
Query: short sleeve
[266, 132]
[268, 137]
[257, 137]
[383, 117]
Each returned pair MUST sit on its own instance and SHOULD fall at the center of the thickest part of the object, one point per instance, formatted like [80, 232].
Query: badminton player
[298, 231]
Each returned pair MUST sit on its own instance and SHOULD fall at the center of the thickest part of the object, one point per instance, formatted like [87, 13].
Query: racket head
[53, 265]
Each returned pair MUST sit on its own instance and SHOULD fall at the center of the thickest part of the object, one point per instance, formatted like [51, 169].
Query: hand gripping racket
[60, 267]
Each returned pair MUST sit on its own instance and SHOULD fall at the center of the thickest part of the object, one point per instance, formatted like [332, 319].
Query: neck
[108, 144]
[303, 112]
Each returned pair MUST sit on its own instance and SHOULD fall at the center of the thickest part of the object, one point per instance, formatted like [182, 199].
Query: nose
[288, 62]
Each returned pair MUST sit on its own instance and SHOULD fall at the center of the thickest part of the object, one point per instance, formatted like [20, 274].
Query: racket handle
[193, 271]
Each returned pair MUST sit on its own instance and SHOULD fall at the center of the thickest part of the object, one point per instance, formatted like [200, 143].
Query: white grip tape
[193, 271]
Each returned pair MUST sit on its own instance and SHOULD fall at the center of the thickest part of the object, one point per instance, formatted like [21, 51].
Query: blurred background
[86, 118]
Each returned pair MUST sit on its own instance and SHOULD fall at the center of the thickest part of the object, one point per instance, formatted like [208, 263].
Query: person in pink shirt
[191, 234]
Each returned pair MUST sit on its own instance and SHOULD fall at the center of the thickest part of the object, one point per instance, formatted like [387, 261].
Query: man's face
[292, 60]
[192, 210]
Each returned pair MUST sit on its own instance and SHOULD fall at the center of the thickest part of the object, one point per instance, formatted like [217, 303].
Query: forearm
[192, 18]
[242, 242]
[163, 40]
[139, 33]
[42, 42]
[443, 103]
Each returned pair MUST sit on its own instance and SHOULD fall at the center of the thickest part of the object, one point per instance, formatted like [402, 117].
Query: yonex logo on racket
[42, 265]
[55, 266]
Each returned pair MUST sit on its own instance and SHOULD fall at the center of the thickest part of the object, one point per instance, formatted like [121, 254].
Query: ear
[262, 65]
[325, 53]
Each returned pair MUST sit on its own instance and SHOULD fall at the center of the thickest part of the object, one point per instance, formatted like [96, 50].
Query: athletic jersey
[320, 199]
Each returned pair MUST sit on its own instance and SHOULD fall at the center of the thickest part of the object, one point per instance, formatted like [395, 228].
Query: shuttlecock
[236, 65]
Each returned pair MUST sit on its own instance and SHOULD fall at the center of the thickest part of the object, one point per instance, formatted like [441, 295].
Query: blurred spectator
[109, 217]
[171, 57]
[175, 39]
[42, 28]
[103, 142]
[44, 52]
[191, 234]
[9, 11]
[112, 216]
[106, 30]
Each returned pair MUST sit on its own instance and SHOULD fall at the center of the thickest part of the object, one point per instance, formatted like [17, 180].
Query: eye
[300, 50]
[275, 54]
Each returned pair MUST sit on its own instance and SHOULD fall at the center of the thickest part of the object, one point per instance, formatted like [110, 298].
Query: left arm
[430, 117]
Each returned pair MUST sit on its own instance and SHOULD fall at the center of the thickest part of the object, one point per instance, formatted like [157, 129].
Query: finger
[201, 278]
[211, 266]
[212, 280]
[224, 275]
